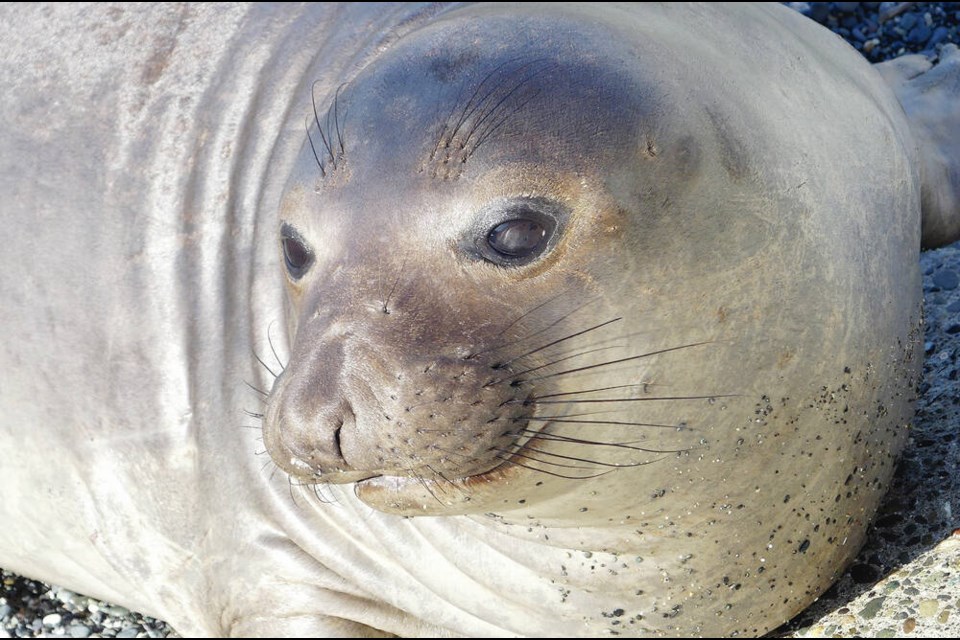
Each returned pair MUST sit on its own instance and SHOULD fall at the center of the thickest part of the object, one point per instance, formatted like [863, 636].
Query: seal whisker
[336, 117]
[544, 366]
[260, 391]
[528, 457]
[273, 349]
[490, 112]
[492, 128]
[605, 464]
[618, 361]
[469, 108]
[570, 393]
[316, 117]
[653, 399]
[551, 473]
[527, 337]
[559, 340]
[614, 422]
[306, 124]
[264, 365]
[386, 302]
[539, 435]
[536, 308]
[426, 485]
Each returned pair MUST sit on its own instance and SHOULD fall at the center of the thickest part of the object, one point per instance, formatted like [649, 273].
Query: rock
[946, 279]
[908, 21]
[919, 34]
[52, 619]
[819, 11]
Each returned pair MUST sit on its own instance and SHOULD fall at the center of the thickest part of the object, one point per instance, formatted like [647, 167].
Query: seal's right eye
[296, 254]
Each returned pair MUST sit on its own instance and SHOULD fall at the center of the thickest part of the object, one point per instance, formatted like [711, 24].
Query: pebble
[946, 279]
[129, 632]
[79, 631]
[928, 608]
[872, 608]
[52, 619]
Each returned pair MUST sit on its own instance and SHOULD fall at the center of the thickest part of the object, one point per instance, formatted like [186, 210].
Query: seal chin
[416, 496]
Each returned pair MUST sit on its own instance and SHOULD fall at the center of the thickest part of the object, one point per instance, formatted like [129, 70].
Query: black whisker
[551, 473]
[570, 393]
[620, 360]
[532, 459]
[394, 287]
[544, 366]
[539, 435]
[336, 117]
[260, 391]
[613, 422]
[653, 399]
[426, 485]
[316, 117]
[602, 464]
[491, 128]
[496, 107]
[273, 349]
[528, 336]
[564, 339]
[313, 148]
[469, 109]
[264, 365]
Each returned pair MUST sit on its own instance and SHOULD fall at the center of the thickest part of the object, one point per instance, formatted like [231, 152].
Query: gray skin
[676, 417]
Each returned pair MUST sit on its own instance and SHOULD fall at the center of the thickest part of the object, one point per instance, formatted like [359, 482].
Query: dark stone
[819, 11]
[946, 279]
[919, 34]
[864, 573]
[939, 35]
[908, 20]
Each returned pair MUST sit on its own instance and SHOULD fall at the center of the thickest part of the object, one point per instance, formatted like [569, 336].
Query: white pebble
[52, 619]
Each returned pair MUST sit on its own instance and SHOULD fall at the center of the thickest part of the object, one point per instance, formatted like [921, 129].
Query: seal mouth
[437, 495]
[408, 496]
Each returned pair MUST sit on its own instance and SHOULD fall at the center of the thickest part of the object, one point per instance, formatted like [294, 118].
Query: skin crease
[676, 419]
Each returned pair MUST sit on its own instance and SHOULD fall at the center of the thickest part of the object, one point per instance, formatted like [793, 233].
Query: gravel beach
[906, 580]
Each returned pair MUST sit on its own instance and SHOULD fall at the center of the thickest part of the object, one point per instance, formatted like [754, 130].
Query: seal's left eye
[296, 254]
[517, 238]
[516, 231]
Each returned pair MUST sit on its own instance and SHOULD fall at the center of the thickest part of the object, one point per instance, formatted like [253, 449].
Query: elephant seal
[564, 325]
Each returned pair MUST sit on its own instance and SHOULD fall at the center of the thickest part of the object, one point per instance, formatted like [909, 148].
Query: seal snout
[437, 418]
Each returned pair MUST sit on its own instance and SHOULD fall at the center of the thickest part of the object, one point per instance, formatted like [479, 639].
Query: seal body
[566, 325]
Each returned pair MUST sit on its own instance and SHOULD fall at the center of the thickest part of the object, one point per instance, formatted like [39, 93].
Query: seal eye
[517, 238]
[297, 256]
[516, 231]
